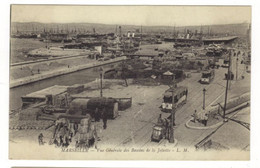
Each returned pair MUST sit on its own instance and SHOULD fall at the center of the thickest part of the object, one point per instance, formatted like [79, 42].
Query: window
[206, 75]
[167, 99]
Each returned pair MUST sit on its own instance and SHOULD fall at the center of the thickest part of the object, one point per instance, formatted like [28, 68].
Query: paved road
[136, 124]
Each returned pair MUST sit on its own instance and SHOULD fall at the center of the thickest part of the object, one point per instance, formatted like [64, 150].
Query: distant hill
[238, 29]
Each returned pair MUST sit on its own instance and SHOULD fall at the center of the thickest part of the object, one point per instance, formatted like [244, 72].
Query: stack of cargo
[61, 100]
[78, 107]
[29, 114]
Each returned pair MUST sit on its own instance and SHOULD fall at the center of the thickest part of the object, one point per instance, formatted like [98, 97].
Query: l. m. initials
[184, 150]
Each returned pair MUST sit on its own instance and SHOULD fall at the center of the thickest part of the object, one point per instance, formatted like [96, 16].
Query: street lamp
[204, 92]
[101, 76]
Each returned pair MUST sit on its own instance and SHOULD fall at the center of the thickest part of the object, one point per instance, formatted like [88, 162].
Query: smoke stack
[120, 31]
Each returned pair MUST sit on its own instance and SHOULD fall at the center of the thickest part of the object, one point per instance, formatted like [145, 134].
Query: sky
[132, 15]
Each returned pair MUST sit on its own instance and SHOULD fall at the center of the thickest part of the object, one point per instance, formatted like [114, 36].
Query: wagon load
[89, 106]
[124, 103]
[78, 106]
[110, 105]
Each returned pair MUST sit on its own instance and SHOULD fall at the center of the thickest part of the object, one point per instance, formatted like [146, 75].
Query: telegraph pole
[226, 93]
[230, 68]
[204, 91]
[171, 140]
[237, 68]
[101, 76]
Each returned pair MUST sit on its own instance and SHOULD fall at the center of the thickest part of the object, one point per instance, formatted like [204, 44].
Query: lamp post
[204, 92]
[101, 76]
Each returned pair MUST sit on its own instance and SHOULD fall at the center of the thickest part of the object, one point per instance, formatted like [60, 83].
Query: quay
[63, 71]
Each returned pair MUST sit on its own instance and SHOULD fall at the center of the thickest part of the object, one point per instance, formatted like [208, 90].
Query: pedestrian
[104, 118]
[40, 139]
[55, 142]
[96, 115]
[76, 127]
[206, 119]
[167, 133]
[67, 143]
[160, 120]
[91, 136]
[61, 141]
[71, 129]
[195, 116]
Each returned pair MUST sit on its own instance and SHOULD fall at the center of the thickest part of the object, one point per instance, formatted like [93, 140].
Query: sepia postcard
[129, 82]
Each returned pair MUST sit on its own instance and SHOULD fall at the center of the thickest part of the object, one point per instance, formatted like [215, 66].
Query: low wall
[217, 109]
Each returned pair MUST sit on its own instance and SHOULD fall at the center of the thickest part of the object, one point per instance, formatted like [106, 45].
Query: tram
[207, 76]
[174, 98]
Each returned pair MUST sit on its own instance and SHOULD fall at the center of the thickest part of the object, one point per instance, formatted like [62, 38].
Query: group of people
[64, 130]
[164, 123]
[63, 133]
[87, 134]
[202, 117]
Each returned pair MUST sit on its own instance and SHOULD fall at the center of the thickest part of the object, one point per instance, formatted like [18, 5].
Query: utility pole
[101, 76]
[171, 140]
[204, 91]
[237, 68]
[230, 68]
[226, 93]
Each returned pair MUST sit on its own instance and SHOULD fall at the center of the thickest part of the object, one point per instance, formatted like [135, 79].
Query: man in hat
[195, 116]
[40, 139]
[96, 115]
